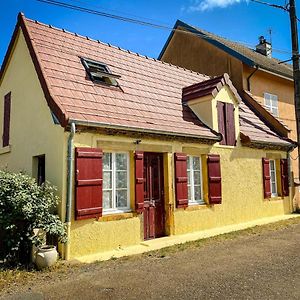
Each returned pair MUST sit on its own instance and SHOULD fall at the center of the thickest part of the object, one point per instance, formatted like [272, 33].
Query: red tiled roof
[150, 94]
[209, 87]
[150, 97]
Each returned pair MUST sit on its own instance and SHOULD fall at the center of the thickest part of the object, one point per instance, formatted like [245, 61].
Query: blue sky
[237, 20]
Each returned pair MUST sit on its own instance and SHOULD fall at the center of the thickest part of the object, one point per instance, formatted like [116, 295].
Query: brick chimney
[264, 47]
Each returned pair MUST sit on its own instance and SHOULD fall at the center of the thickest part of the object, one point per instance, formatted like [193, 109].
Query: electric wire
[143, 23]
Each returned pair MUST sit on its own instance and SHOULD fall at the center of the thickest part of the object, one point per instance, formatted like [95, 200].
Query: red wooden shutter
[284, 177]
[214, 179]
[266, 177]
[230, 126]
[88, 183]
[139, 181]
[221, 121]
[6, 119]
[181, 180]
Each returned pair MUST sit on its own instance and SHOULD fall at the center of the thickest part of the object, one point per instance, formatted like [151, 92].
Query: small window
[39, 169]
[99, 72]
[271, 103]
[194, 172]
[273, 180]
[6, 120]
[115, 182]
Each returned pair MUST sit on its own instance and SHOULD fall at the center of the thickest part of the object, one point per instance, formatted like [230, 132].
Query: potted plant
[25, 206]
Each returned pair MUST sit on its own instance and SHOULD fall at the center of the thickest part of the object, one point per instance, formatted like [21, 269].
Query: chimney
[264, 47]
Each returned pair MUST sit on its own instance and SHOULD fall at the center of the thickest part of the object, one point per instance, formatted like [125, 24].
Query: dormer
[215, 102]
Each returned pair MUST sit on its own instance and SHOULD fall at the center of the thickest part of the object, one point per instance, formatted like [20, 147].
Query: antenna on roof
[270, 31]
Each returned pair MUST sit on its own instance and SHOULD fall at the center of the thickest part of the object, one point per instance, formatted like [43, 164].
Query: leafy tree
[24, 206]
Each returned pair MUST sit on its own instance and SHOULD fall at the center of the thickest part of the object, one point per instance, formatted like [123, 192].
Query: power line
[285, 7]
[140, 22]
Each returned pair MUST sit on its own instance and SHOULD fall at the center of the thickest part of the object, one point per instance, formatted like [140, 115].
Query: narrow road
[264, 265]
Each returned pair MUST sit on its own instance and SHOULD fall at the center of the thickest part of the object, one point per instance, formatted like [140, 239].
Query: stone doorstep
[168, 241]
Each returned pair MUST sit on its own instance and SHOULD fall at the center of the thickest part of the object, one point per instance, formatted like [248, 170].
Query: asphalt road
[265, 265]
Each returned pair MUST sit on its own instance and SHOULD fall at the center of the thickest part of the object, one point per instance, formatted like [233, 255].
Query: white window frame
[273, 107]
[273, 179]
[192, 183]
[115, 209]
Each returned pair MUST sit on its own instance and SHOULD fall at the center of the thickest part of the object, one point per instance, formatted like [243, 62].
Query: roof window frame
[107, 77]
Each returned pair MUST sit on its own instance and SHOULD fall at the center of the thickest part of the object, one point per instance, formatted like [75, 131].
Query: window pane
[188, 162]
[121, 179]
[267, 102]
[107, 179]
[272, 165]
[275, 111]
[189, 193]
[197, 177]
[107, 161]
[121, 161]
[197, 193]
[121, 198]
[274, 188]
[189, 177]
[196, 163]
[107, 199]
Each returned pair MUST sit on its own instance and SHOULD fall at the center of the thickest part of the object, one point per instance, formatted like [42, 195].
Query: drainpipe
[69, 189]
[249, 77]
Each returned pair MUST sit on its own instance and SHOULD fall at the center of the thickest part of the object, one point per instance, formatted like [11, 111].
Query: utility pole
[291, 9]
[296, 70]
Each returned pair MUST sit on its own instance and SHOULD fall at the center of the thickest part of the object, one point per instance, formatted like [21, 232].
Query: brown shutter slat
[266, 177]
[221, 121]
[214, 179]
[6, 119]
[284, 177]
[181, 180]
[139, 181]
[88, 183]
[230, 126]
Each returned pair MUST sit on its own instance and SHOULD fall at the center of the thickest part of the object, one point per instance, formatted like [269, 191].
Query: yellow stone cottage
[139, 149]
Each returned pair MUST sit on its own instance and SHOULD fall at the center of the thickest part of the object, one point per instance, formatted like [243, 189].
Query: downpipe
[70, 166]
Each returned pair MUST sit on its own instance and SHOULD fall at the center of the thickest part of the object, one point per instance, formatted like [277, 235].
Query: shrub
[24, 206]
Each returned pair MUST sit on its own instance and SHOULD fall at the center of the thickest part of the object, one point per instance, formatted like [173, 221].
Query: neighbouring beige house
[254, 72]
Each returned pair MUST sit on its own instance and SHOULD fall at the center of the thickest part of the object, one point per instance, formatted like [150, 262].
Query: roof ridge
[113, 46]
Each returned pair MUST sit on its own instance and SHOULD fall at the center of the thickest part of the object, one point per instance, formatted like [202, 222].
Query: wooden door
[154, 212]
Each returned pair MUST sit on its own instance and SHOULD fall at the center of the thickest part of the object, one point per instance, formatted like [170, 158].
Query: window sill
[111, 216]
[193, 207]
[4, 150]
[275, 198]
[225, 146]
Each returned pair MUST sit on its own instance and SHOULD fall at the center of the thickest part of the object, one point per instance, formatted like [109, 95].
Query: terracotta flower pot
[46, 256]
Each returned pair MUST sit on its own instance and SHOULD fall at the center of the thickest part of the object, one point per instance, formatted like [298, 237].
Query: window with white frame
[273, 177]
[115, 182]
[271, 103]
[194, 172]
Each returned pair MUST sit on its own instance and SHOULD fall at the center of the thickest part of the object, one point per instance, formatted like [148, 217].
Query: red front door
[154, 216]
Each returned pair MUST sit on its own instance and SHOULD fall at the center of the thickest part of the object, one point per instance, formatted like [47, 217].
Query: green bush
[24, 206]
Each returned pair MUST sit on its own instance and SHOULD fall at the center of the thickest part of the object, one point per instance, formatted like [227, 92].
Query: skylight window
[99, 72]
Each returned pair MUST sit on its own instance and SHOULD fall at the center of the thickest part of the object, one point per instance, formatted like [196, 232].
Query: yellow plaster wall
[32, 131]
[242, 194]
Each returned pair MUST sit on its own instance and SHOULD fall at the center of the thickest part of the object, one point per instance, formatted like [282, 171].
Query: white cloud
[202, 5]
